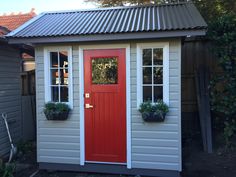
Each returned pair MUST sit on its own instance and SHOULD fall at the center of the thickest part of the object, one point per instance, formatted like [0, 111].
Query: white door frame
[128, 98]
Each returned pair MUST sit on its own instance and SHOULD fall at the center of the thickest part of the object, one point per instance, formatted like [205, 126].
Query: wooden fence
[195, 53]
[28, 106]
[28, 83]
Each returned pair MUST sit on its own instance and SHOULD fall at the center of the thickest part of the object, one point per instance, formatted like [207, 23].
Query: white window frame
[140, 47]
[47, 75]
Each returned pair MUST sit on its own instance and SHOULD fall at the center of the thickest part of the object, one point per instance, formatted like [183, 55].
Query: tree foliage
[222, 33]
[113, 3]
[210, 9]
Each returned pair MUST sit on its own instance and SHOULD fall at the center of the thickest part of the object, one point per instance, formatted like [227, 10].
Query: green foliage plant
[6, 170]
[149, 107]
[222, 33]
[56, 111]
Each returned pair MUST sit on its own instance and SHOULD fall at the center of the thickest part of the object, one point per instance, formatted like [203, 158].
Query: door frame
[128, 98]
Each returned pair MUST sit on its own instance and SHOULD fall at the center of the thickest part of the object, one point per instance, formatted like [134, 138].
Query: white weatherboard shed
[141, 47]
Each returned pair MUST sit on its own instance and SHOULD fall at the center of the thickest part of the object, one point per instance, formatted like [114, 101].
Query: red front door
[105, 105]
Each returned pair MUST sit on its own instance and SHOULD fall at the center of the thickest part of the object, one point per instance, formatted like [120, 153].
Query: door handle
[88, 106]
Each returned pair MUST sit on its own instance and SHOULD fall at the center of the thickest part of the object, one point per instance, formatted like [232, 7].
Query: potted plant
[153, 112]
[56, 111]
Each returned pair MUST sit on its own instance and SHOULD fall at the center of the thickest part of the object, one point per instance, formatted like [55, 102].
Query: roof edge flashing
[108, 37]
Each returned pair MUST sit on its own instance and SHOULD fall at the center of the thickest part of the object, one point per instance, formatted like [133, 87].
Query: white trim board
[165, 46]
[47, 77]
[128, 97]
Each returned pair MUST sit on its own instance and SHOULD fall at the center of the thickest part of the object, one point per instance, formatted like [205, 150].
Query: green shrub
[222, 33]
[158, 107]
[56, 107]
[6, 170]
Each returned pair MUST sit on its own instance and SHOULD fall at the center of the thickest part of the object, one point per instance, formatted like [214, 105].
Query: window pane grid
[150, 66]
[152, 84]
[59, 68]
[56, 90]
[155, 79]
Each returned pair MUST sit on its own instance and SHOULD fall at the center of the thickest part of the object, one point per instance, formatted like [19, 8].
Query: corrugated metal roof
[183, 16]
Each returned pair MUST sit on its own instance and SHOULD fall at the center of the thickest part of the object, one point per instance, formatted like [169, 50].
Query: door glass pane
[63, 59]
[158, 56]
[158, 93]
[147, 57]
[64, 76]
[147, 75]
[54, 59]
[54, 77]
[55, 94]
[158, 75]
[105, 70]
[147, 93]
[64, 94]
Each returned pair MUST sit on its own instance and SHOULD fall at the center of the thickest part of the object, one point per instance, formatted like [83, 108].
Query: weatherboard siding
[157, 145]
[10, 96]
[153, 145]
[57, 141]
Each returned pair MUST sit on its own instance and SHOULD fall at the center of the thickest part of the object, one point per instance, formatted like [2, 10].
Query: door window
[105, 70]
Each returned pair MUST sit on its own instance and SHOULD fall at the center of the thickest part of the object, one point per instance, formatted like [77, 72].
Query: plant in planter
[153, 112]
[56, 111]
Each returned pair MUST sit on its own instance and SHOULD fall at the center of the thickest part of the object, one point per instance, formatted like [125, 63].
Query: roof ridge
[114, 8]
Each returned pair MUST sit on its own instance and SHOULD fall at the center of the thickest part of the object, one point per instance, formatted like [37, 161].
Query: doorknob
[87, 106]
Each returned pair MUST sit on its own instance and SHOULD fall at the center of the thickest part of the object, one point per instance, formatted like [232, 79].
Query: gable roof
[13, 21]
[107, 21]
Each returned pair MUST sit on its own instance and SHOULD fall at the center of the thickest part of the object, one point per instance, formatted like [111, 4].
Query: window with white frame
[58, 75]
[153, 72]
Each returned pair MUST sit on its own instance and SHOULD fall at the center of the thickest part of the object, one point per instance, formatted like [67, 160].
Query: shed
[140, 49]
[10, 80]
[10, 94]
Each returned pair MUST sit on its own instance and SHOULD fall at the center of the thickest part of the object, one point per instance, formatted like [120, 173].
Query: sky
[24, 6]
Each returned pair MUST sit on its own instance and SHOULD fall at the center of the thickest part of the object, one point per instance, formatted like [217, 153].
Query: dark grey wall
[10, 95]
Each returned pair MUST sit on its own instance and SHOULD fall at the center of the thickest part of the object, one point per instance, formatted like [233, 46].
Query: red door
[105, 105]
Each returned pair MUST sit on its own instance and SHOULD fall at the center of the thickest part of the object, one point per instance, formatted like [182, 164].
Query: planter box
[56, 115]
[153, 117]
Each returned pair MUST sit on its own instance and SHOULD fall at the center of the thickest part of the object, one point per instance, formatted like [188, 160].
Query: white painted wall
[153, 146]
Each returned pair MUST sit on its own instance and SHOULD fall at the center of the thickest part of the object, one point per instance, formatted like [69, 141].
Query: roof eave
[107, 37]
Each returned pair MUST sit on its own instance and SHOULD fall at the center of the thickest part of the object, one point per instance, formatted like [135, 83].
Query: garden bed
[196, 163]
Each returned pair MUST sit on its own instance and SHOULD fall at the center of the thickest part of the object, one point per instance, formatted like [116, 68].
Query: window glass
[55, 94]
[64, 76]
[158, 75]
[147, 93]
[147, 57]
[147, 75]
[105, 70]
[54, 59]
[64, 94]
[152, 71]
[158, 56]
[54, 77]
[63, 59]
[158, 93]
[59, 76]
